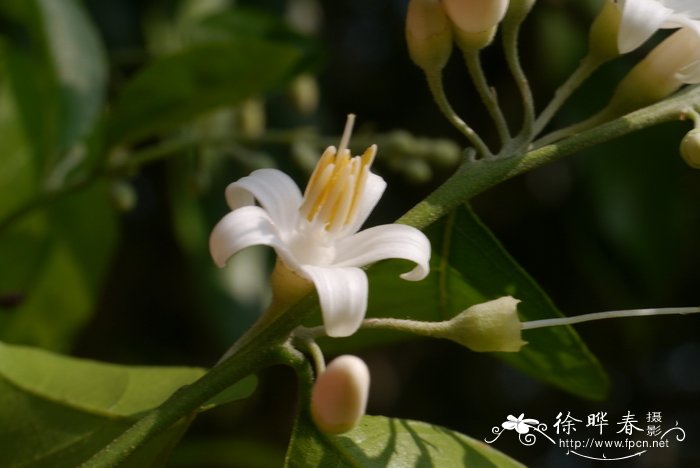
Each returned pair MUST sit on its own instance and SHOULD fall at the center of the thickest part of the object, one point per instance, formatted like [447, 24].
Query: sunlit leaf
[470, 266]
[81, 405]
[380, 442]
[57, 69]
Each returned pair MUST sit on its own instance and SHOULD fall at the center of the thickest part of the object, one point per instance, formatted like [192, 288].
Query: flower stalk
[560, 321]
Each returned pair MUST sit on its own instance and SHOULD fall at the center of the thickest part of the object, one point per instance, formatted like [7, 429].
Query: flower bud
[123, 195]
[518, 10]
[304, 93]
[690, 148]
[428, 35]
[491, 326]
[475, 21]
[339, 396]
[252, 118]
[475, 16]
[602, 37]
[670, 65]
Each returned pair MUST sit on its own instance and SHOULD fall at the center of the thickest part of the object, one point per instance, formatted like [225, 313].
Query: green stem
[487, 94]
[415, 327]
[267, 348]
[601, 117]
[474, 177]
[510, 34]
[587, 66]
[438, 91]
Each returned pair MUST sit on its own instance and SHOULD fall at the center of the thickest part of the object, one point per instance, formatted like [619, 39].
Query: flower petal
[640, 19]
[688, 8]
[690, 74]
[342, 293]
[274, 190]
[243, 228]
[372, 192]
[387, 241]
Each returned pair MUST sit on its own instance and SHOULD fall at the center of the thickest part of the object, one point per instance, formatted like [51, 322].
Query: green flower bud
[123, 195]
[445, 153]
[417, 171]
[690, 148]
[304, 93]
[339, 395]
[602, 37]
[252, 118]
[518, 11]
[428, 35]
[491, 326]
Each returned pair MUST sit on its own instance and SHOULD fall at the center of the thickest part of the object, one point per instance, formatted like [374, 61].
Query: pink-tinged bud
[690, 148]
[474, 21]
[475, 16]
[661, 73]
[428, 35]
[339, 396]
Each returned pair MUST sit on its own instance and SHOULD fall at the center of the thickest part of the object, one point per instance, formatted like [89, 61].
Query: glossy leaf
[470, 266]
[55, 259]
[57, 69]
[200, 78]
[81, 405]
[380, 442]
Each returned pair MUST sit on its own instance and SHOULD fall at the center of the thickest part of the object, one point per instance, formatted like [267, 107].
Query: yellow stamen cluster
[333, 193]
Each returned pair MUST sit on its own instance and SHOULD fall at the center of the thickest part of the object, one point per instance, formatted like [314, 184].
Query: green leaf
[57, 69]
[63, 261]
[54, 260]
[470, 266]
[57, 411]
[380, 442]
[198, 79]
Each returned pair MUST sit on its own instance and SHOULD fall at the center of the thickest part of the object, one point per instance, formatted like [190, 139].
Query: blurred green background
[615, 227]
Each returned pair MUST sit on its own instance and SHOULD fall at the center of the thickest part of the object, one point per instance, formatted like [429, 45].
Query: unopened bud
[252, 118]
[304, 93]
[123, 195]
[602, 37]
[659, 74]
[428, 35]
[339, 395]
[491, 326]
[475, 21]
[518, 10]
[690, 148]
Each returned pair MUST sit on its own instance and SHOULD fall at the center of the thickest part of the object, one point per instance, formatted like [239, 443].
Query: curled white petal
[342, 293]
[274, 190]
[687, 7]
[243, 228]
[387, 241]
[640, 19]
[373, 191]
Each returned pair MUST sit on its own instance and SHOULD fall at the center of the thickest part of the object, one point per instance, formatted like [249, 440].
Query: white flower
[316, 236]
[642, 18]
